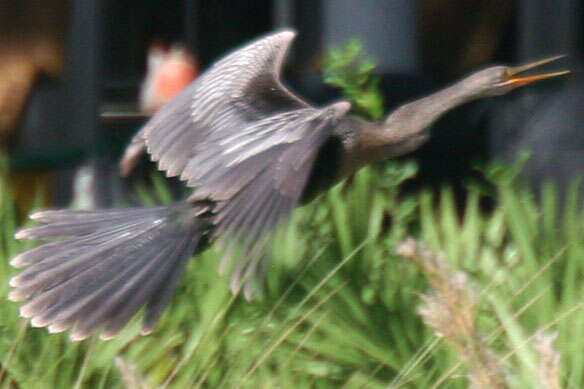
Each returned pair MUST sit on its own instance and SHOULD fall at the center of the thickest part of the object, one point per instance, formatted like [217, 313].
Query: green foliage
[348, 69]
[340, 306]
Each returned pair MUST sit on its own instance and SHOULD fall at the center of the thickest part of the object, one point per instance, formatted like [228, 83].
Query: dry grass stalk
[450, 309]
[130, 375]
[549, 360]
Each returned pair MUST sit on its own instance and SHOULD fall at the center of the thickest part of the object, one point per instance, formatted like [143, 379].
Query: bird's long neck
[418, 115]
[405, 129]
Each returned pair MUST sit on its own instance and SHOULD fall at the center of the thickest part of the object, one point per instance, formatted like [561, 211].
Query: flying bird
[251, 150]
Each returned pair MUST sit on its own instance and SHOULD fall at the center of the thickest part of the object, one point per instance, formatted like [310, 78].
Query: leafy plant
[350, 70]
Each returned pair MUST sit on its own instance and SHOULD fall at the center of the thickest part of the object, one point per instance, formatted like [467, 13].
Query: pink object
[169, 71]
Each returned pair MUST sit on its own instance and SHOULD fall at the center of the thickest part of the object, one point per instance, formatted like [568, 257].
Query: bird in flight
[251, 150]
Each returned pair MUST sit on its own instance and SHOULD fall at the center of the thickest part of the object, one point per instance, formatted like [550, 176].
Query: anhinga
[252, 151]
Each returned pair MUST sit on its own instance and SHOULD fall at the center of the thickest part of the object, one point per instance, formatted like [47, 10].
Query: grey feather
[223, 101]
[101, 277]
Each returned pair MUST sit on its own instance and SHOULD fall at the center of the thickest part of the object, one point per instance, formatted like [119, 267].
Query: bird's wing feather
[257, 177]
[236, 91]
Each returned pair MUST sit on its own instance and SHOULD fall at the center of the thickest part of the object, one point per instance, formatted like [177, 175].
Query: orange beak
[515, 80]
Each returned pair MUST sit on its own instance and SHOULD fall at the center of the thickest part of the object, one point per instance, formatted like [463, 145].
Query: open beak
[515, 80]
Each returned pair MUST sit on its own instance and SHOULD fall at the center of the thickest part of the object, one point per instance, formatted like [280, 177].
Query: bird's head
[498, 80]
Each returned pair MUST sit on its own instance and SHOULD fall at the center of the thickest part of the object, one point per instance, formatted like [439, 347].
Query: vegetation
[474, 299]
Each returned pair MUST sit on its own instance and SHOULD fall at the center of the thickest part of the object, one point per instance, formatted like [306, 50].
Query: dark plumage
[247, 146]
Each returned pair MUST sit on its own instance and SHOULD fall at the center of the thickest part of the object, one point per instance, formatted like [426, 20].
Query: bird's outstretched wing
[236, 91]
[243, 141]
[257, 177]
[240, 88]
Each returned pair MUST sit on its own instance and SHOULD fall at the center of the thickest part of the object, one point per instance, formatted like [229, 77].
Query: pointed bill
[515, 80]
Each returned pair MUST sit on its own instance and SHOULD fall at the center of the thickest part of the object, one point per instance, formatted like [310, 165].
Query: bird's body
[252, 151]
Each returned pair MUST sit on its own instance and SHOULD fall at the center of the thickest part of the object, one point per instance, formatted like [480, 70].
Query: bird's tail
[106, 265]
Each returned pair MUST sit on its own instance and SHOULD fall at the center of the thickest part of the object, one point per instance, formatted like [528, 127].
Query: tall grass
[340, 306]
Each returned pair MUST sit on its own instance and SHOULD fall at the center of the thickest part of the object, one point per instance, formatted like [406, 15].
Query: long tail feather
[108, 264]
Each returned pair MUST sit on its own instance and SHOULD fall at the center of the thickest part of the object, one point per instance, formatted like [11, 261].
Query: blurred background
[78, 78]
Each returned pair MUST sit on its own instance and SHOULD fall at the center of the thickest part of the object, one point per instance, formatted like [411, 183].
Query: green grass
[340, 307]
